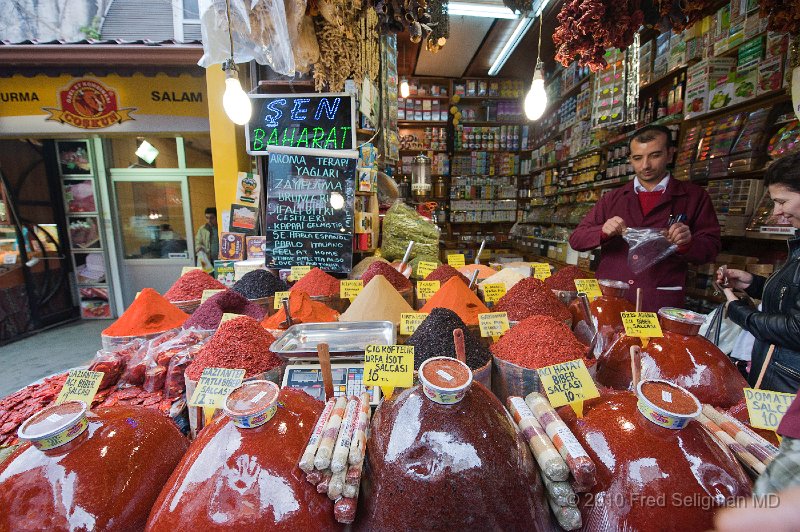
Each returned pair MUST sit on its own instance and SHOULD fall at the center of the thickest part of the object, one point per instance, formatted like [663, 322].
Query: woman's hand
[737, 279]
[729, 295]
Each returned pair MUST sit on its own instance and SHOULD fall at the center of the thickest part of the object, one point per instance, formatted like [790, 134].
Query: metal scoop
[585, 329]
[288, 321]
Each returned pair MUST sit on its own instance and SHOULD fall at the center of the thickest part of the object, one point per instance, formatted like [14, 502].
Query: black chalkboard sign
[301, 122]
[310, 211]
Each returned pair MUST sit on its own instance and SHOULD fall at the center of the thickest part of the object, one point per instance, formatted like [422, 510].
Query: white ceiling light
[470, 9]
[536, 99]
[511, 44]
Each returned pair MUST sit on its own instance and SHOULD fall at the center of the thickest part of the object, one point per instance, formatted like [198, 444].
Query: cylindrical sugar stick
[758, 438]
[354, 474]
[580, 464]
[336, 485]
[568, 517]
[307, 460]
[342, 449]
[550, 462]
[742, 454]
[345, 509]
[325, 451]
[314, 477]
[561, 492]
[322, 487]
[736, 432]
[359, 444]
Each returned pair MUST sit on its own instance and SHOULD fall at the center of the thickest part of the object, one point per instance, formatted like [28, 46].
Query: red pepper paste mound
[248, 479]
[107, 478]
[240, 343]
[651, 478]
[432, 467]
[317, 283]
[606, 313]
[688, 361]
[149, 313]
[209, 314]
[538, 342]
[530, 297]
[190, 286]
[395, 278]
[564, 279]
[443, 274]
[739, 411]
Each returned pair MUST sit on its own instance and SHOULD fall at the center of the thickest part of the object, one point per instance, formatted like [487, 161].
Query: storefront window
[152, 218]
[123, 152]
[198, 151]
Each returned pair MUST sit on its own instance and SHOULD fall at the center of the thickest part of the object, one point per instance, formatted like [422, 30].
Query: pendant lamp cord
[539, 47]
[230, 30]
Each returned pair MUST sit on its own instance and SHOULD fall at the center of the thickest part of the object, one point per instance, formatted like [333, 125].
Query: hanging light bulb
[536, 100]
[404, 89]
[235, 101]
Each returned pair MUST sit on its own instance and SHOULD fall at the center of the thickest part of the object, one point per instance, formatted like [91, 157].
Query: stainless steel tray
[344, 339]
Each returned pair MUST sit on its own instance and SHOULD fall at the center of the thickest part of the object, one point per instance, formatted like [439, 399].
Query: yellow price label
[240, 269]
[588, 286]
[137, 295]
[766, 408]
[81, 385]
[409, 321]
[568, 383]
[187, 269]
[641, 324]
[541, 270]
[214, 386]
[492, 292]
[493, 324]
[456, 260]
[209, 293]
[349, 289]
[389, 366]
[228, 316]
[426, 289]
[424, 269]
[279, 296]
[298, 272]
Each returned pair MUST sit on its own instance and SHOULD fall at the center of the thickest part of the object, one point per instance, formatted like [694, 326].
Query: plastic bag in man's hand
[646, 247]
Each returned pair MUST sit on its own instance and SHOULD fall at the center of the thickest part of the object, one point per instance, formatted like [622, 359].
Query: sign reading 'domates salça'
[301, 122]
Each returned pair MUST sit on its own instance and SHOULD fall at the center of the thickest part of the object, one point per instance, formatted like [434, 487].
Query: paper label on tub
[588, 286]
[389, 365]
[426, 289]
[187, 269]
[541, 270]
[214, 386]
[492, 292]
[279, 296]
[456, 260]
[425, 268]
[493, 324]
[349, 289]
[568, 382]
[298, 272]
[81, 385]
[209, 293]
[409, 321]
[766, 408]
[642, 324]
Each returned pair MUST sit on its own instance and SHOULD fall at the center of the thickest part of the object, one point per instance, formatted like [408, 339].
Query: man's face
[650, 159]
[211, 219]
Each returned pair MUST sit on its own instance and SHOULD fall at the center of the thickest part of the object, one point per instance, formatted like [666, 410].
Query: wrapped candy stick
[342, 449]
[307, 460]
[336, 485]
[742, 454]
[550, 462]
[737, 432]
[358, 446]
[323, 458]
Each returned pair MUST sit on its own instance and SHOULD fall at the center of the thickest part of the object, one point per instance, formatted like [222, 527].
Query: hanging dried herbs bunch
[782, 15]
[519, 6]
[587, 27]
[399, 15]
[682, 14]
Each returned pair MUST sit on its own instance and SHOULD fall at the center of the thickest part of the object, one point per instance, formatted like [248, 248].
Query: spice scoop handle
[474, 278]
[404, 262]
[288, 321]
[636, 366]
[480, 250]
[458, 340]
[325, 366]
[638, 300]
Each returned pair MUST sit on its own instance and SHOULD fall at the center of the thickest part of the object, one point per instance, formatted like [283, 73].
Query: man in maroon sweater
[652, 199]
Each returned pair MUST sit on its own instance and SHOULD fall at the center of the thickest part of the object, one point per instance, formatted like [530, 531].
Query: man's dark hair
[211, 210]
[784, 171]
[648, 133]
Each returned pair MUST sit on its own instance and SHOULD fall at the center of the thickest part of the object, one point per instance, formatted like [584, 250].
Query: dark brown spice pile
[259, 284]
[434, 338]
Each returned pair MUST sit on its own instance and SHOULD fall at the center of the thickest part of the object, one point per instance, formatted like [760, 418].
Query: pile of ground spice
[149, 313]
[456, 296]
[378, 300]
[317, 283]
[258, 284]
[209, 314]
[359, 269]
[444, 273]
[507, 277]
[303, 310]
[564, 279]
[434, 338]
[530, 297]
[240, 343]
[397, 279]
[537, 342]
[190, 286]
[483, 271]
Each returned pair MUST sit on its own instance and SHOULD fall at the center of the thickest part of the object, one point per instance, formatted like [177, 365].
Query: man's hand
[679, 234]
[614, 226]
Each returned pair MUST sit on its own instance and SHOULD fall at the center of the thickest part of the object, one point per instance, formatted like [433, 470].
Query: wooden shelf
[660, 79]
[763, 100]
[495, 123]
[491, 98]
[755, 235]
[365, 132]
[575, 88]
[414, 123]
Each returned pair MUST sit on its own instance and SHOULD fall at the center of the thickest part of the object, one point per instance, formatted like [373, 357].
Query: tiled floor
[52, 351]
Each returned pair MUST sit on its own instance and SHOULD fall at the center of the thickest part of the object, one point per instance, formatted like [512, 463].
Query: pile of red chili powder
[443, 274]
[318, 283]
[538, 342]
[530, 297]
[564, 279]
[395, 278]
[240, 343]
[149, 313]
[190, 286]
